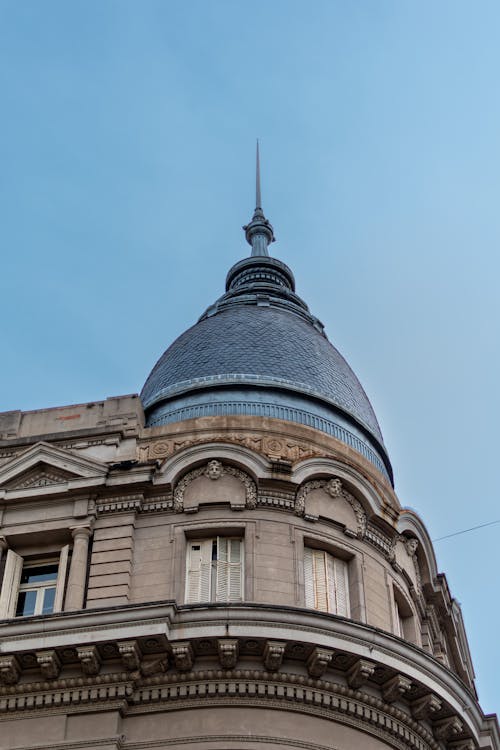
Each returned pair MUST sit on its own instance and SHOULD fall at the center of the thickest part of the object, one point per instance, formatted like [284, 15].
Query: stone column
[78, 568]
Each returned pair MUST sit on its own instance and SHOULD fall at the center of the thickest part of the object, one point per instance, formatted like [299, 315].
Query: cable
[472, 528]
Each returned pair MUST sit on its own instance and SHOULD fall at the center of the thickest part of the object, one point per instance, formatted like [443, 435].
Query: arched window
[326, 582]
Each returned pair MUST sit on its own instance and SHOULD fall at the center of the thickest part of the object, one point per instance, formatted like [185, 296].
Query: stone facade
[127, 663]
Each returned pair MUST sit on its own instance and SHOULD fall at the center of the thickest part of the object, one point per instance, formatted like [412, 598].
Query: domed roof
[259, 345]
[258, 351]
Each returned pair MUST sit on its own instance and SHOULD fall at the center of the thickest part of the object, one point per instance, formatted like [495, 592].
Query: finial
[259, 233]
[258, 200]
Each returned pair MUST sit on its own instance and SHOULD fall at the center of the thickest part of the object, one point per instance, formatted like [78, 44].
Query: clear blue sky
[127, 148]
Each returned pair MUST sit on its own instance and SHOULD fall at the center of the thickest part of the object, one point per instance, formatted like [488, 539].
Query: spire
[259, 233]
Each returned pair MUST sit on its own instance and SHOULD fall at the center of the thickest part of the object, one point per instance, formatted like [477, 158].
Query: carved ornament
[89, 659]
[10, 670]
[49, 664]
[228, 652]
[214, 470]
[335, 489]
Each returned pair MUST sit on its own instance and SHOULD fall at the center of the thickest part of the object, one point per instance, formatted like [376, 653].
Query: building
[222, 562]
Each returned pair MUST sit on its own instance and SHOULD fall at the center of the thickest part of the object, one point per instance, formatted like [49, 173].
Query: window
[326, 582]
[214, 570]
[402, 616]
[33, 587]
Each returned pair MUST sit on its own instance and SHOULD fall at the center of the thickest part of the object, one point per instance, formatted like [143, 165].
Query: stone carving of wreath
[214, 470]
[335, 489]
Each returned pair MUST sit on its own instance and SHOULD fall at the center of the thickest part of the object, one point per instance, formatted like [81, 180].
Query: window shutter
[341, 588]
[61, 579]
[309, 578]
[320, 580]
[222, 582]
[235, 588]
[10, 587]
[325, 582]
[198, 572]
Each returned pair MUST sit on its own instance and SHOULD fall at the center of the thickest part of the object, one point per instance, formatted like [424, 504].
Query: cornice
[308, 651]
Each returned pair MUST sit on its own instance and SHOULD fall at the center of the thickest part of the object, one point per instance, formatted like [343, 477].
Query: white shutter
[61, 579]
[320, 580]
[309, 578]
[326, 583]
[10, 585]
[229, 577]
[235, 569]
[198, 571]
[341, 588]
[222, 577]
[398, 620]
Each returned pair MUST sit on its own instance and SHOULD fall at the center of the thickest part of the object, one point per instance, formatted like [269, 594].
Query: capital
[80, 531]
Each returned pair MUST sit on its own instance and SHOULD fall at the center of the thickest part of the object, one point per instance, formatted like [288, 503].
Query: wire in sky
[472, 528]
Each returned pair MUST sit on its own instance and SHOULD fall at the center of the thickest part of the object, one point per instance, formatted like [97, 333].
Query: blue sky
[127, 152]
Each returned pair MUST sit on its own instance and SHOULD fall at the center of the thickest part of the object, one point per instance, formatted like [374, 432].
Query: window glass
[39, 573]
[26, 603]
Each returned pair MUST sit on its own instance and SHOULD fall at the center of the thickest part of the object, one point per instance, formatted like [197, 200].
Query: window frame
[214, 565]
[334, 586]
[12, 587]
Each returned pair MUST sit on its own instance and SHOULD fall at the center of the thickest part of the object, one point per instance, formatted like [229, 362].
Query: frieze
[271, 446]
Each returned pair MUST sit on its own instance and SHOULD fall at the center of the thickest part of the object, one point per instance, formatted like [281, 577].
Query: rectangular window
[326, 582]
[214, 570]
[33, 587]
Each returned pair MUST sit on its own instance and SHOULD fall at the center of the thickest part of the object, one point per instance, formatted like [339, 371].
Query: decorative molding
[228, 652]
[214, 470]
[360, 673]
[119, 504]
[130, 653]
[274, 652]
[89, 659]
[335, 489]
[395, 688]
[273, 446]
[49, 663]
[447, 729]
[183, 654]
[40, 476]
[10, 670]
[423, 708]
[319, 661]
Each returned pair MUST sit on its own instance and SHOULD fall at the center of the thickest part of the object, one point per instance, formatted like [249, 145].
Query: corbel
[90, 660]
[446, 729]
[467, 744]
[130, 653]
[359, 673]
[274, 652]
[319, 661]
[10, 670]
[49, 664]
[183, 656]
[228, 652]
[395, 688]
[148, 668]
[423, 708]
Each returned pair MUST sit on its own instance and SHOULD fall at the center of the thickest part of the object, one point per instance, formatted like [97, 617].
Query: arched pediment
[245, 459]
[215, 482]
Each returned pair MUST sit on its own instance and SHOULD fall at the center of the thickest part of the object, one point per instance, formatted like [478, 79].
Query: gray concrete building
[221, 563]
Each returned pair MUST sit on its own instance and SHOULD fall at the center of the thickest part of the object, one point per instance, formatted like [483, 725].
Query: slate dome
[258, 351]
